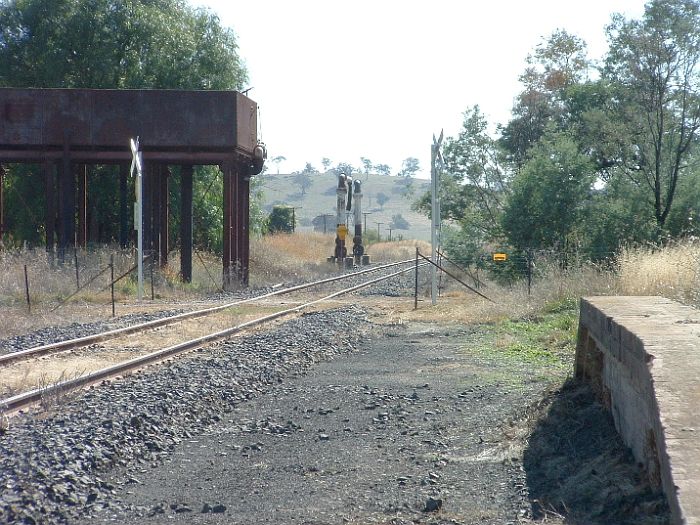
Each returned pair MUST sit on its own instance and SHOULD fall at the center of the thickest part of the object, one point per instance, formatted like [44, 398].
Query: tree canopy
[119, 44]
[594, 156]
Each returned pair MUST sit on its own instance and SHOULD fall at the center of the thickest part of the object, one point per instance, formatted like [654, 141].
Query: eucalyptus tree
[655, 63]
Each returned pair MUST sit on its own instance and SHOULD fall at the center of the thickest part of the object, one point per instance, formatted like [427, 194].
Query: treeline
[595, 156]
[163, 44]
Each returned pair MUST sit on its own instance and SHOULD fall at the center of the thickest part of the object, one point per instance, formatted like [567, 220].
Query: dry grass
[397, 251]
[672, 271]
[283, 256]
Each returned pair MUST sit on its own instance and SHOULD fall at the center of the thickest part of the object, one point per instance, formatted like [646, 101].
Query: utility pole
[365, 214]
[390, 228]
[379, 238]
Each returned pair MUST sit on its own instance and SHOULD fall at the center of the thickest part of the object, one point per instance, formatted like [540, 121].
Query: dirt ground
[423, 425]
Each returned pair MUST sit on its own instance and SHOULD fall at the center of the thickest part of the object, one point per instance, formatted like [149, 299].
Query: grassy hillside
[320, 198]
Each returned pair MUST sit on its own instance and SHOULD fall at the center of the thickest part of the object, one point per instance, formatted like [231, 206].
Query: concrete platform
[642, 356]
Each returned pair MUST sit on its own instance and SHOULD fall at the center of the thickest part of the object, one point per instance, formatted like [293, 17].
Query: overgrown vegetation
[595, 157]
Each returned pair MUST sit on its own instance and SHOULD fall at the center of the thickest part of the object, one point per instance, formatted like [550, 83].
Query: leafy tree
[399, 223]
[546, 205]
[326, 163]
[111, 44]
[383, 169]
[303, 181]
[366, 163]
[309, 169]
[558, 63]
[277, 160]
[409, 167]
[655, 61]
[474, 183]
[382, 199]
[344, 167]
[281, 220]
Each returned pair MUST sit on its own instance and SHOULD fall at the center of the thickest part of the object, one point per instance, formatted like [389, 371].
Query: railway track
[25, 399]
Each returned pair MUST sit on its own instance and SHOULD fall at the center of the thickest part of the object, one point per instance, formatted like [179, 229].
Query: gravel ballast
[52, 466]
[325, 419]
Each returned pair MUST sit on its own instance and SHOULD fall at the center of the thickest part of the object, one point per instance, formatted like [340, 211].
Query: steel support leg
[186, 223]
[123, 206]
[2, 203]
[50, 194]
[81, 173]
[164, 209]
[228, 235]
[147, 181]
[66, 208]
[241, 256]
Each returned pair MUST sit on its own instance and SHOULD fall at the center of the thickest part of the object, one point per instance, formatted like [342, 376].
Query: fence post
[153, 295]
[77, 272]
[415, 297]
[111, 279]
[26, 288]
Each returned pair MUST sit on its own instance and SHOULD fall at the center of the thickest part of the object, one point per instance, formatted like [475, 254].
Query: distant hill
[320, 198]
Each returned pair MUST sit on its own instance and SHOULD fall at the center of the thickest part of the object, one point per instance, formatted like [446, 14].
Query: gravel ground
[325, 419]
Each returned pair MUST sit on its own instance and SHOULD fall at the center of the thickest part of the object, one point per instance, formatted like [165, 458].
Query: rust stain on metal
[202, 127]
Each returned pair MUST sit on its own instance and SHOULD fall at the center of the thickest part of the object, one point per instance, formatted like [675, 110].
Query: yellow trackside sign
[342, 232]
[500, 257]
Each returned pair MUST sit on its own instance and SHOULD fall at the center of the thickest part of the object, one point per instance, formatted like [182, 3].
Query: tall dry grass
[671, 271]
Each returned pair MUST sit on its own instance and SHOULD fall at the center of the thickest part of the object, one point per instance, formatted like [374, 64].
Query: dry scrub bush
[671, 271]
[397, 251]
[283, 256]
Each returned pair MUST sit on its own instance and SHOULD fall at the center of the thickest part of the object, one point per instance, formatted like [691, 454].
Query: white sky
[376, 78]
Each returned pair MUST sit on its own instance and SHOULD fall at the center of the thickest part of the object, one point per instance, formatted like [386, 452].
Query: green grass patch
[544, 344]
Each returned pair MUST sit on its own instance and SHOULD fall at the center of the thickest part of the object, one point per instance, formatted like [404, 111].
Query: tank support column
[163, 207]
[81, 173]
[66, 208]
[2, 202]
[236, 225]
[186, 223]
[50, 194]
[123, 205]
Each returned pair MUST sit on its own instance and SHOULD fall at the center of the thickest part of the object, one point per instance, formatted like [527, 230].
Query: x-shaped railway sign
[437, 153]
[136, 158]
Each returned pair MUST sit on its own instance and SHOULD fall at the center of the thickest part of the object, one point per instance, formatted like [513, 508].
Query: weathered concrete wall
[642, 356]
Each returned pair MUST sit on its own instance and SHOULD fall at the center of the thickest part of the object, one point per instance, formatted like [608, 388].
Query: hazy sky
[376, 78]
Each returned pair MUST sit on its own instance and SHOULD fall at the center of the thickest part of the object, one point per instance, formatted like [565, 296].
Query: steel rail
[19, 401]
[156, 323]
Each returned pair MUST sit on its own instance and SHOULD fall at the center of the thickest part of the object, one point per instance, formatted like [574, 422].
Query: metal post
[379, 238]
[228, 225]
[26, 289]
[415, 299]
[435, 219]
[77, 270]
[50, 194]
[81, 172]
[153, 292]
[137, 163]
[163, 201]
[123, 206]
[111, 266]
[2, 200]
[186, 223]
[365, 213]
